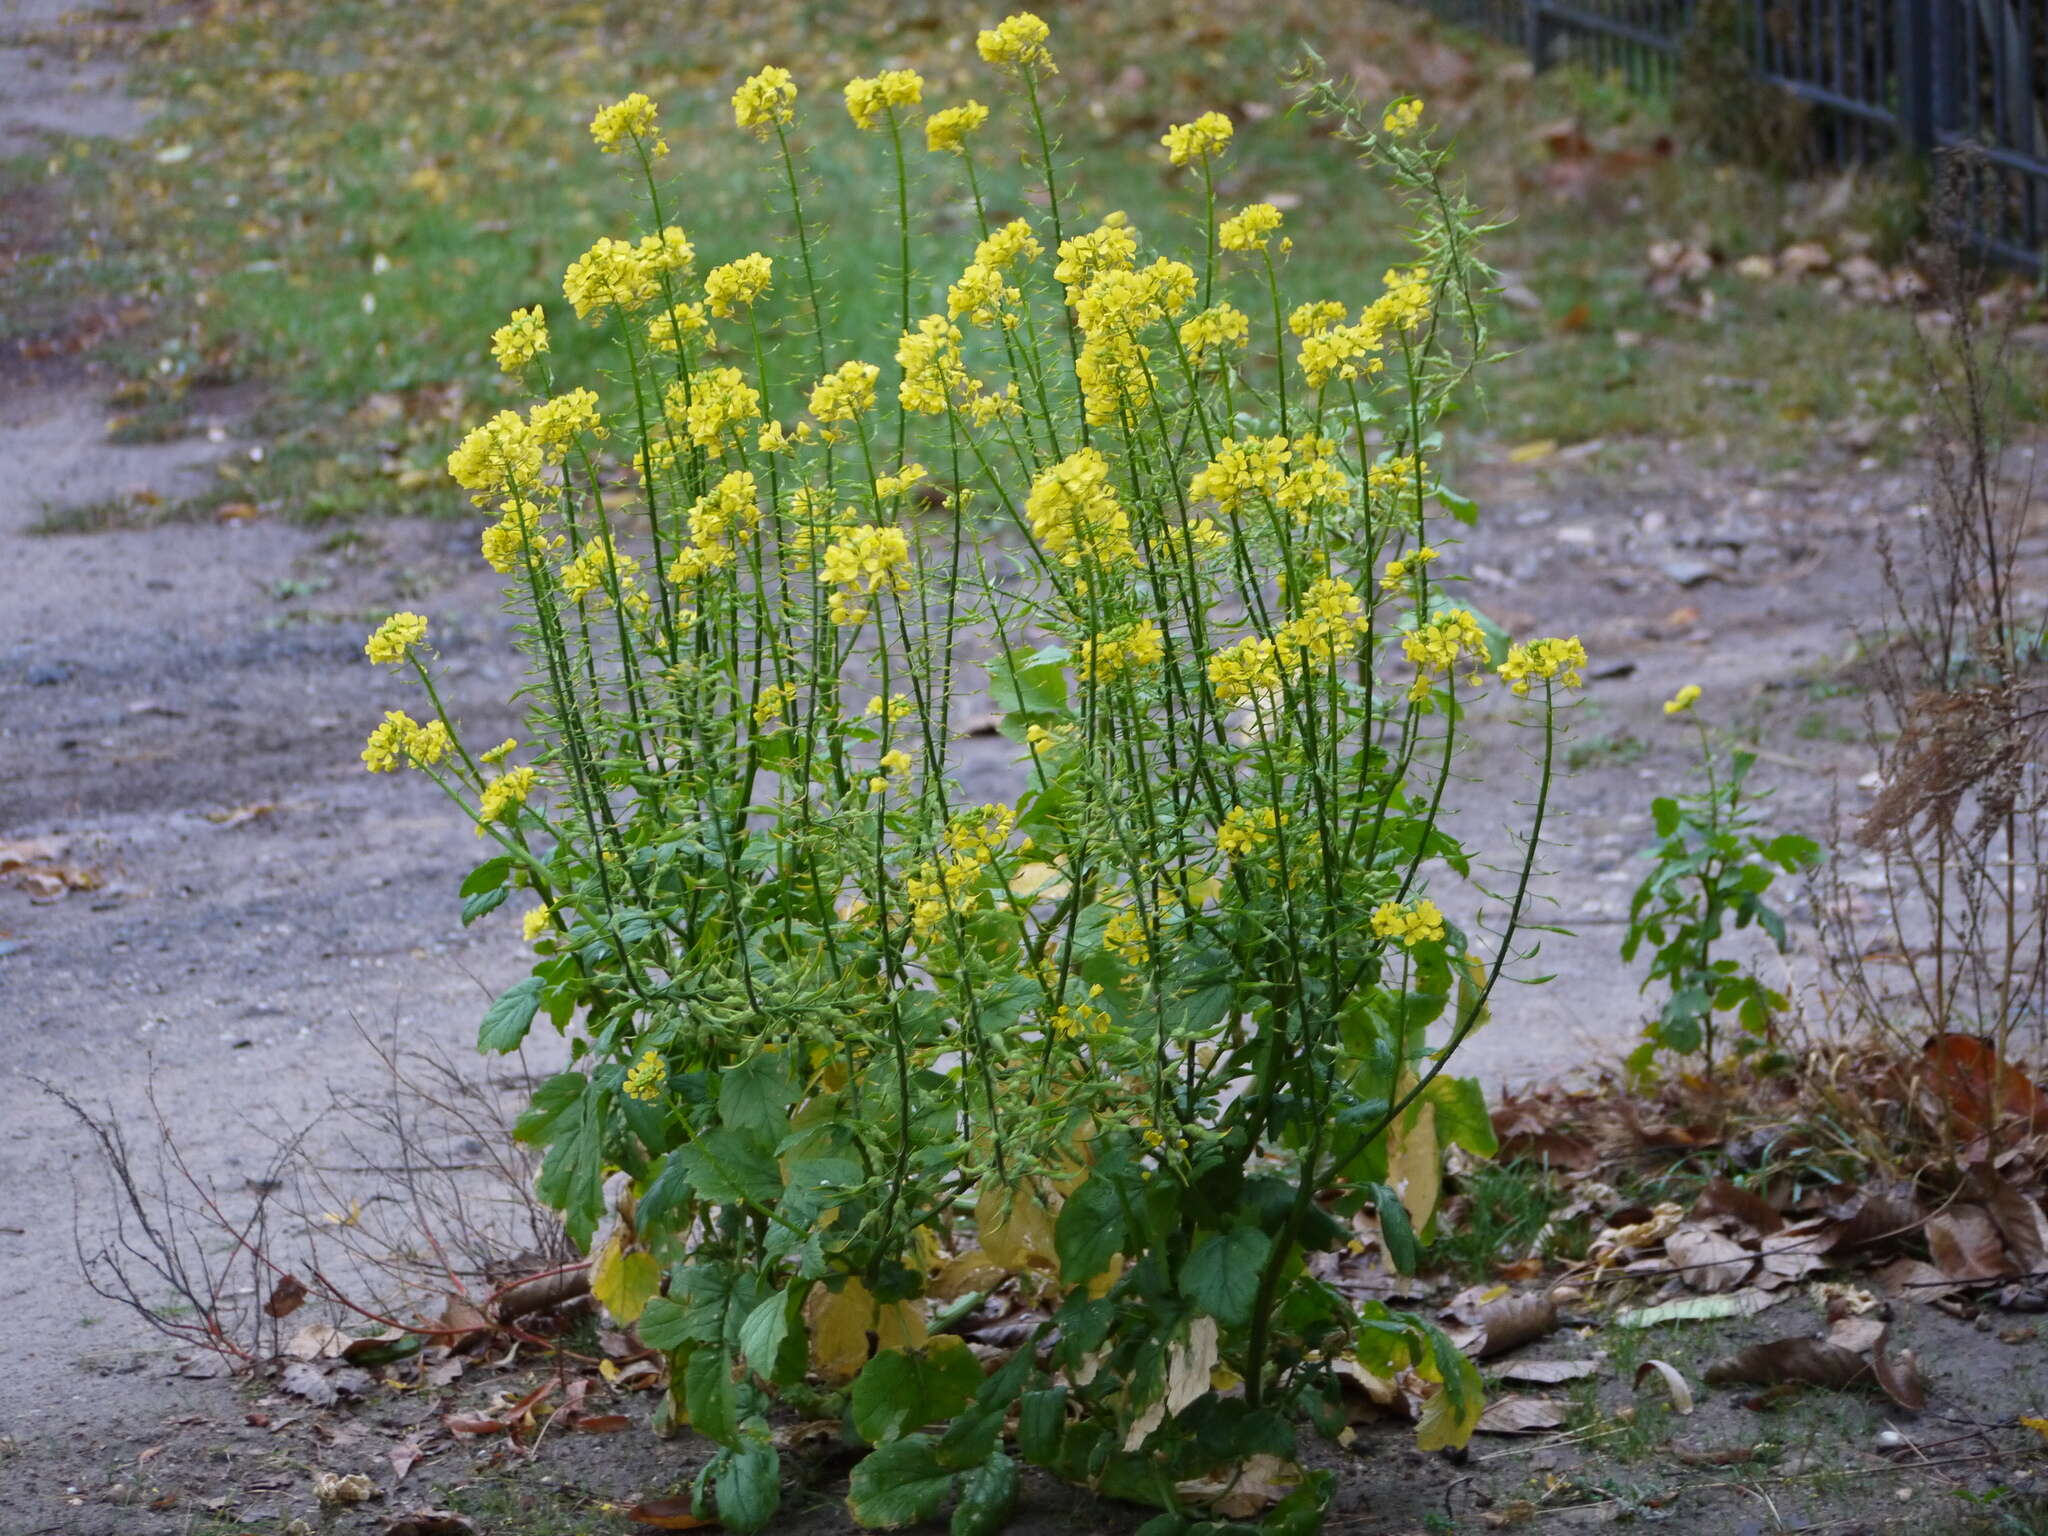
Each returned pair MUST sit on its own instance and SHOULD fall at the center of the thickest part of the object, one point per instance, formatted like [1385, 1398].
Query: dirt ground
[181, 708]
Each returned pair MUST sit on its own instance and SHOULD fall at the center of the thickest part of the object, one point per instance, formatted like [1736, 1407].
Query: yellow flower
[765, 101]
[1078, 1019]
[1420, 923]
[730, 508]
[645, 1077]
[869, 98]
[901, 481]
[934, 374]
[507, 542]
[631, 120]
[1006, 247]
[1124, 935]
[1243, 831]
[1247, 229]
[1213, 329]
[1397, 571]
[1313, 318]
[896, 761]
[1121, 650]
[503, 795]
[867, 558]
[738, 283]
[1017, 43]
[669, 251]
[1075, 513]
[534, 922]
[1204, 138]
[1682, 700]
[1111, 246]
[666, 331]
[556, 423]
[612, 273]
[1559, 659]
[845, 393]
[1243, 672]
[519, 340]
[945, 132]
[499, 457]
[388, 644]
[399, 737]
[1402, 117]
[717, 403]
[500, 752]
[1241, 469]
[984, 297]
[775, 698]
[586, 573]
[1436, 647]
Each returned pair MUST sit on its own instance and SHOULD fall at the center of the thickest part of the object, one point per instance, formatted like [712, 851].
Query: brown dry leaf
[1707, 1261]
[1674, 1383]
[670, 1515]
[1723, 1197]
[602, 1423]
[1547, 1373]
[1874, 1214]
[1516, 1414]
[404, 1456]
[1898, 1375]
[1913, 1280]
[1791, 1254]
[2017, 1216]
[1965, 1244]
[1856, 1334]
[1510, 1323]
[1983, 1093]
[286, 1297]
[463, 1325]
[1188, 1368]
[471, 1424]
[240, 814]
[1806, 1361]
[1259, 1483]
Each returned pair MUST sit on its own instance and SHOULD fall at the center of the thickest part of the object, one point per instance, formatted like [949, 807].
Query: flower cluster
[1418, 922]
[1546, 659]
[871, 99]
[765, 101]
[631, 121]
[391, 640]
[1017, 43]
[400, 739]
[1203, 139]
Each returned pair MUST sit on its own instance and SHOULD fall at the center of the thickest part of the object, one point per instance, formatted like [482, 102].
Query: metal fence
[1875, 75]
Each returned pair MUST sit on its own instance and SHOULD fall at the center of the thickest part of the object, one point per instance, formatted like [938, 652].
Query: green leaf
[901, 1390]
[755, 1097]
[987, 1498]
[1664, 812]
[709, 1395]
[1222, 1274]
[748, 1489]
[664, 1325]
[1090, 1229]
[1034, 684]
[772, 1338]
[1396, 1231]
[487, 876]
[900, 1484]
[508, 1019]
[482, 903]
[1461, 1115]
[1041, 1417]
[728, 1168]
[1463, 508]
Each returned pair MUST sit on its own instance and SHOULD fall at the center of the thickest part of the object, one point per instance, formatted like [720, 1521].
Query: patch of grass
[509, 1508]
[111, 514]
[1606, 749]
[1503, 1211]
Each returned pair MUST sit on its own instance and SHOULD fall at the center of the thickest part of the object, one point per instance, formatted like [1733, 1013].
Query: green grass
[344, 199]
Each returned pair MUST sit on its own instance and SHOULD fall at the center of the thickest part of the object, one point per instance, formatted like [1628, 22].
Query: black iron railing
[1876, 76]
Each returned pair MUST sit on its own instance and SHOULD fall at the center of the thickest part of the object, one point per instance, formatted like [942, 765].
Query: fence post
[1917, 72]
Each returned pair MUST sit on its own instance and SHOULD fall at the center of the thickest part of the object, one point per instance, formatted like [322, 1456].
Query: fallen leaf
[1258, 1483]
[473, 1424]
[1724, 1197]
[1516, 1414]
[670, 1515]
[1512, 1322]
[1874, 1214]
[602, 1423]
[304, 1378]
[286, 1297]
[1856, 1334]
[1913, 1280]
[1808, 1362]
[1981, 1091]
[1547, 1372]
[331, 1488]
[404, 1456]
[1699, 1309]
[1707, 1261]
[1674, 1383]
[2017, 1216]
[1898, 1375]
[1965, 1244]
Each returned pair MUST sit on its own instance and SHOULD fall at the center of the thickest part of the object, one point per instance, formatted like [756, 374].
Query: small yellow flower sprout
[508, 542]
[534, 922]
[1397, 571]
[667, 332]
[892, 711]
[1206, 137]
[1559, 659]
[1006, 247]
[870, 98]
[1436, 647]
[586, 573]
[1017, 43]
[1111, 246]
[557, 423]
[1247, 229]
[934, 373]
[519, 340]
[984, 296]
[503, 795]
[1243, 831]
[612, 273]
[645, 1077]
[868, 558]
[388, 643]
[1420, 923]
[945, 131]
[631, 120]
[1124, 936]
[1315, 317]
[719, 402]
[738, 283]
[1402, 117]
[1122, 650]
[901, 481]
[765, 102]
[1682, 700]
[848, 391]
[500, 752]
[895, 761]
[1077, 1019]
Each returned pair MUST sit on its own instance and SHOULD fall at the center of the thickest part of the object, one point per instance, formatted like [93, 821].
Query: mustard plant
[1715, 863]
[1152, 1038]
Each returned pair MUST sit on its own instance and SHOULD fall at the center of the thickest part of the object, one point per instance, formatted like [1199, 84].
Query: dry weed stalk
[1956, 671]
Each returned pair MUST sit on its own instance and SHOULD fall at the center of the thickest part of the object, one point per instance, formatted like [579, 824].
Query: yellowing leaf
[1414, 1169]
[1530, 453]
[2038, 1426]
[841, 1321]
[1016, 1229]
[624, 1279]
